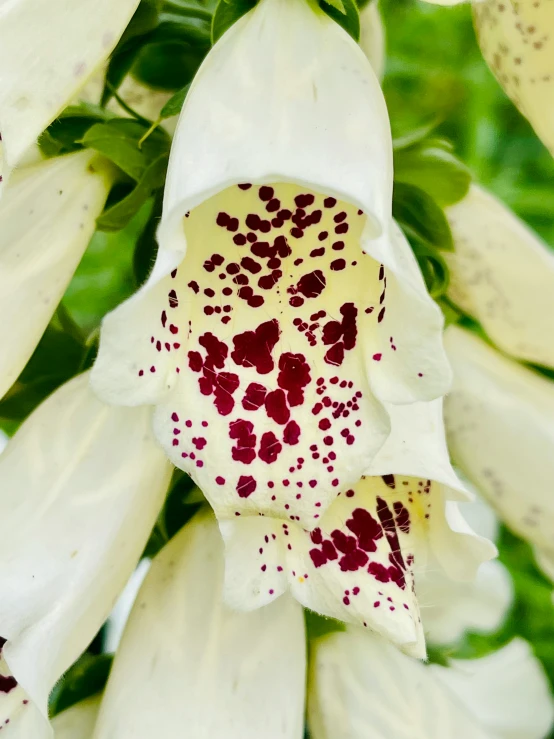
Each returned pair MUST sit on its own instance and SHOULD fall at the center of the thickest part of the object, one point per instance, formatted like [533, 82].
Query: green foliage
[345, 13]
[227, 13]
[318, 626]
[87, 677]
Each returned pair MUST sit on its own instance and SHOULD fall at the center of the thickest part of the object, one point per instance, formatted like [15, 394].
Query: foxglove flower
[500, 427]
[362, 687]
[502, 274]
[450, 608]
[78, 721]
[284, 307]
[186, 662]
[372, 37]
[48, 49]
[76, 510]
[363, 562]
[47, 217]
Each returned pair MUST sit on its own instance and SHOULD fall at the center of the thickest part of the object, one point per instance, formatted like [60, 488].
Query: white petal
[47, 217]
[372, 37]
[78, 721]
[120, 614]
[450, 608]
[82, 484]
[502, 274]
[500, 427]
[516, 41]
[48, 48]
[507, 692]
[362, 687]
[240, 341]
[187, 663]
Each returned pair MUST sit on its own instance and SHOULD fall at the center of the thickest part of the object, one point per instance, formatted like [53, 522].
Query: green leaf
[64, 135]
[145, 19]
[119, 66]
[169, 64]
[432, 264]
[418, 211]
[318, 626]
[147, 247]
[228, 13]
[118, 140]
[118, 216]
[87, 677]
[348, 17]
[433, 169]
[175, 103]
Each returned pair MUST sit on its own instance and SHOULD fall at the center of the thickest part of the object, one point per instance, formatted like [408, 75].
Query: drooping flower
[363, 562]
[500, 427]
[48, 49]
[47, 217]
[78, 721]
[188, 663]
[502, 274]
[284, 305]
[451, 608]
[372, 37]
[361, 687]
[82, 484]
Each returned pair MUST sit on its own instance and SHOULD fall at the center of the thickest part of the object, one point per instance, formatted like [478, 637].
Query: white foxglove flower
[362, 687]
[500, 427]
[48, 49]
[359, 564]
[188, 664]
[82, 484]
[372, 37]
[279, 314]
[78, 721]
[120, 614]
[502, 274]
[450, 608]
[47, 217]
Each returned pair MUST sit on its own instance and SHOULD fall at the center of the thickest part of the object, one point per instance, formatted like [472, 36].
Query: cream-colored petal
[516, 40]
[82, 484]
[188, 664]
[500, 427]
[360, 687]
[48, 48]
[115, 625]
[506, 692]
[78, 721]
[47, 217]
[372, 37]
[502, 274]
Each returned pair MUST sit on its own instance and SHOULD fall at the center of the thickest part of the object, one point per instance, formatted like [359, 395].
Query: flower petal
[499, 422]
[47, 216]
[516, 41]
[361, 687]
[47, 50]
[76, 509]
[506, 692]
[78, 721]
[502, 274]
[287, 313]
[451, 608]
[372, 37]
[188, 661]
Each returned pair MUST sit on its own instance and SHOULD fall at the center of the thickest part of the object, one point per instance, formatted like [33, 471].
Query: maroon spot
[342, 228]
[303, 201]
[194, 286]
[296, 301]
[330, 202]
[270, 447]
[250, 264]
[220, 480]
[245, 186]
[254, 397]
[402, 517]
[312, 284]
[291, 434]
[241, 431]
[337, 265]
[276, 407]
[239, 239]
[199, 442]
[293, 377]
[7, 683]
[266, 193]
[389, 481]
[366, 529]
[318, 252]
[254, 348]
[246, 486]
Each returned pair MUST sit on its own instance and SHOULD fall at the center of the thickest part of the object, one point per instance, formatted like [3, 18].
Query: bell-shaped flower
[189, 664]
[82, 484]
[363, 562]
[48, 49]
[283, 307]
[500, 427]
[516, 41]
[502, 275]
[78, 721]
[372, 37]
[47, 217]
[362, 687]
[450, 608]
